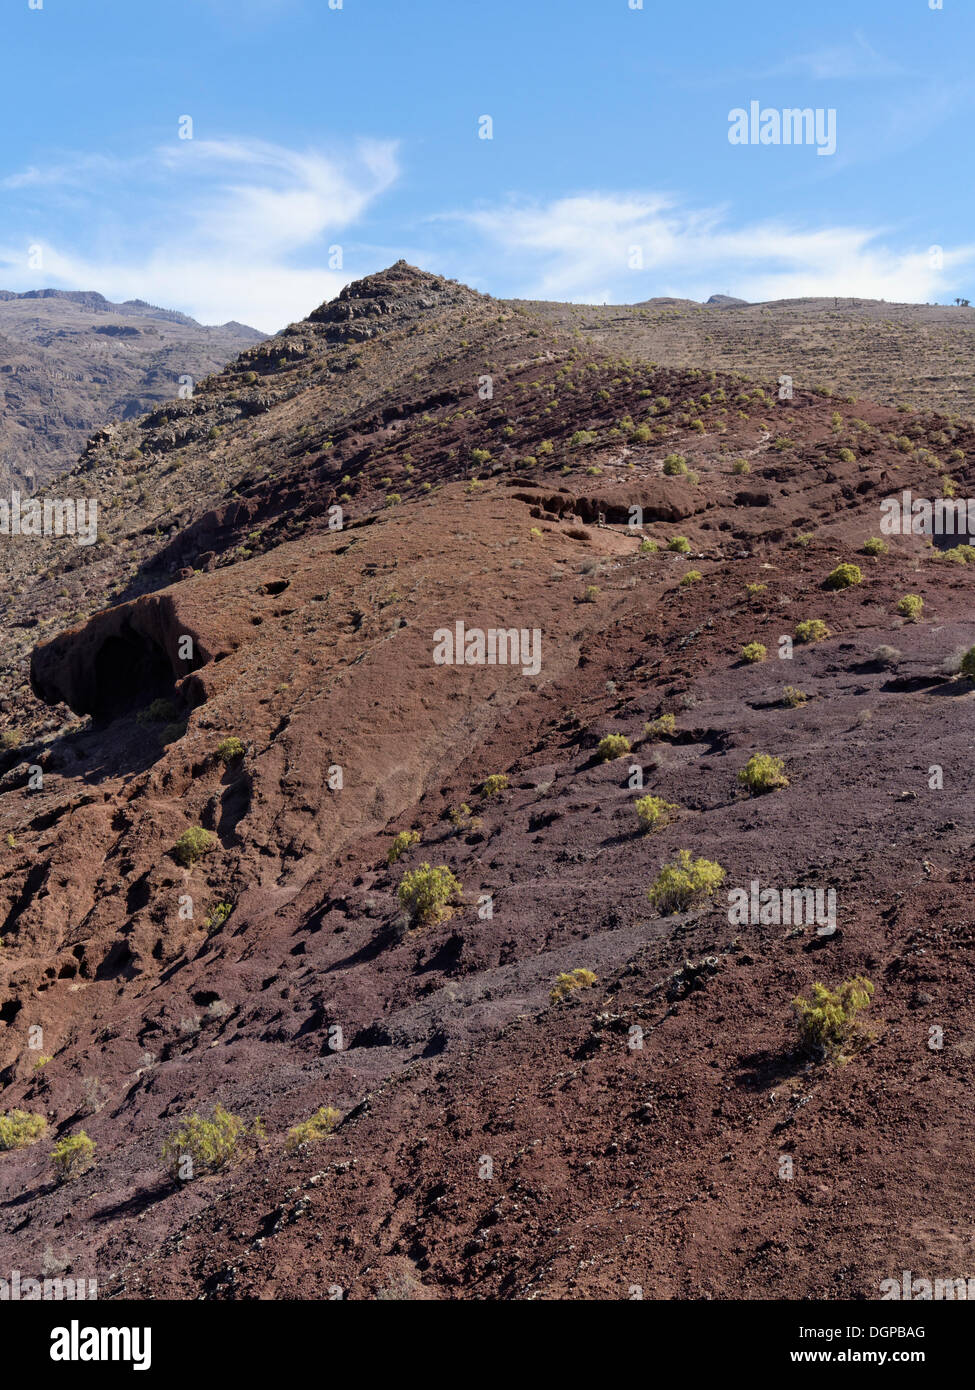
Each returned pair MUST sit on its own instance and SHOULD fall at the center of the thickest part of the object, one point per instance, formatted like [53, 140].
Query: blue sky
[329, 142]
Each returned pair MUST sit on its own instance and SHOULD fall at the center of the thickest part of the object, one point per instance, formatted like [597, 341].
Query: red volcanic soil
[658, 1128]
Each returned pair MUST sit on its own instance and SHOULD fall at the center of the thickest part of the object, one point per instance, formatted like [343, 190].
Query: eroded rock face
[312, 552]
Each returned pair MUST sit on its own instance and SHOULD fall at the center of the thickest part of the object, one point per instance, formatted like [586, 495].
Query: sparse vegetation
[18, 1128]
[313, 1130]
[691, 577]
[425, 893]
[193, 844]
[404, 840]
[654, 813]
[874, 546]
[763, 773]
[664, 726]
[229, 749]
[683, 880]
[754, 651]
[571, 980]
[828, 1021]
[794, 697]
[844, 577]
[203, 1145]
[911, 606]
[495, 784]
[812, 630]
[72, 1156]
[680, 545]
[612, 746]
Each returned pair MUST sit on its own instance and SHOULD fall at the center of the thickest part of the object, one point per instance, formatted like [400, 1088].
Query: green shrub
[794, 697]
[403, 841]
[740, 467]
[313, 1130]
[18, 1128]
[844, 576]
[763, 773]
[847, 456]
[159, 712]
[967, 667]
[648, 547]
[208, 1144]
[229, 749]
[680, 882]
[812, 630]
[571, 980]
[425, 893]
[654, 813]
[590, 593]
[692, 577]
[193, 844]
[612, 746]
[480, 456]
[495, 784]
[680, 545]
[72, 1156]
[828, 1021]
[675, 465]
[754, 651]
[875, 546]
[911, 606]
[217, 916]
[664, 726]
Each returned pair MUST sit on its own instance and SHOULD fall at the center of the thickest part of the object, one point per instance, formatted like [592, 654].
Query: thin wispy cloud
[241, 229]
[855, 60]
[599, 248]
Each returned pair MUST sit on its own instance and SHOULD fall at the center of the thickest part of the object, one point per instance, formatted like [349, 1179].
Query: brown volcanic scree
[261, 848]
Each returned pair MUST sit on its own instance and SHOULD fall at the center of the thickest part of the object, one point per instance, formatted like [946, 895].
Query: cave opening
[130, 671]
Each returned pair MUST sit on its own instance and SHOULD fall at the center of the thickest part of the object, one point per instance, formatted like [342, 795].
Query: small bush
[648, 546]
[18, 1128]
[159, 712]
[403, 841]
[763, 773]
[495, 784]
[230, 749]
[425, 893]
[216, 917]
[675, 465]
[967, 666]
[571, 980]
[844, 577]
[847, 456]
[654, 813]
[875, 546]
[794, 697]
[664, 726]
[754, 590]
[590, 593]
[692, 577]
[612, 746]
[740, 467]
[313, 1130]
[683, 880]
[828, 1021]
[72, 1156]
[193, 844]
[911, 607]
[680, 545]
[208, 1144]
[812, 630]
[754, 651]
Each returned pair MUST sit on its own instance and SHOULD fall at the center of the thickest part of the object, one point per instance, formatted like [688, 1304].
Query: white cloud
[218, 228]
[581, 249]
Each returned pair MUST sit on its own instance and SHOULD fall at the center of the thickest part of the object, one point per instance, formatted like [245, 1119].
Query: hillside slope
[411, 456]
[71, 360]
